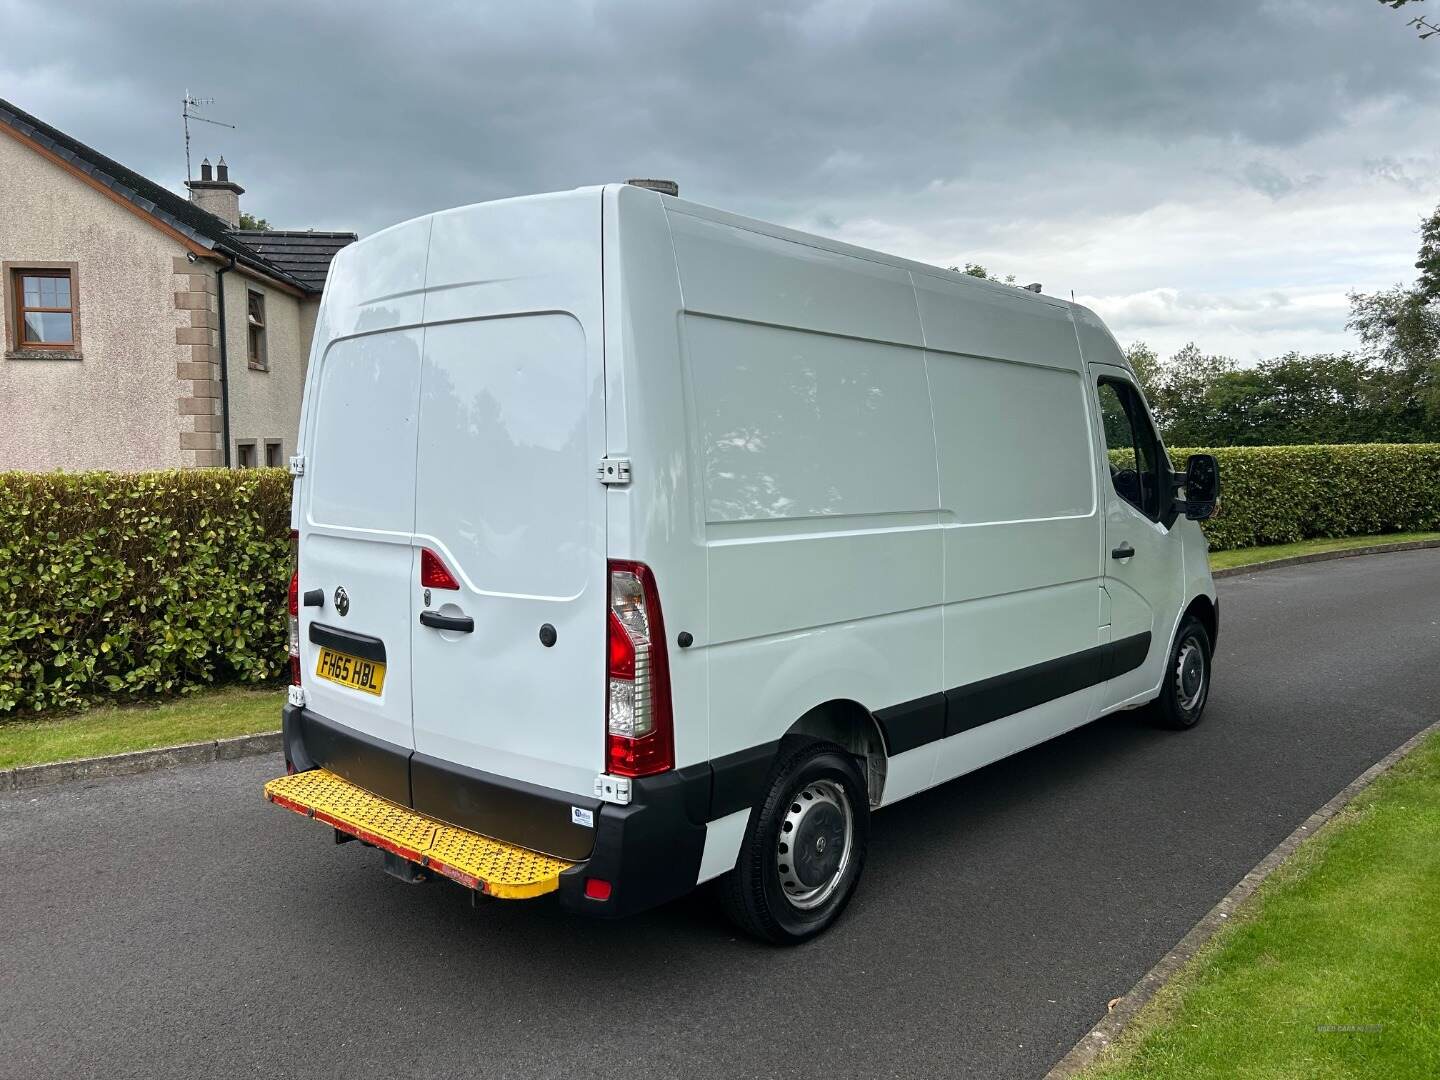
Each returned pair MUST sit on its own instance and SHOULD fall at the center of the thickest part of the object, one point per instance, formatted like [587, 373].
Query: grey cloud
[368, 114]
[943, 127]
[1269, 180]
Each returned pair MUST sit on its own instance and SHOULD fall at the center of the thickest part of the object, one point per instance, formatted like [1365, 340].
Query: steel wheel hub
[1190, 674]
[812, 851]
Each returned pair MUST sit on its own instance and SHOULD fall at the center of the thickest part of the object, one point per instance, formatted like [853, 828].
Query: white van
[641, 544]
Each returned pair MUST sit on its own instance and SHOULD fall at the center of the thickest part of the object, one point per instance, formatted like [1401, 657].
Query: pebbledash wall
[265, 404]
[116, 403]
[143, 390]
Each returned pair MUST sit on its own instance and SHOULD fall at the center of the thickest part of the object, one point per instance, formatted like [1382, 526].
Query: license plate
[351, 671]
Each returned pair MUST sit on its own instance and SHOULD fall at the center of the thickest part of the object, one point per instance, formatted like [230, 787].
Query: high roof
[300, 264]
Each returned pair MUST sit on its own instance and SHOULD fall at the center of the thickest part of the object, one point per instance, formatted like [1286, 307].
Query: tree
[1180, 392]
[250, 221]
[1399, 329]
[1422, 26]
[976, 270]
[1202, 399]
[1146, 365]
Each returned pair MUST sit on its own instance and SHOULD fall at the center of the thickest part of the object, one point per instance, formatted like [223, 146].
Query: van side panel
[819, 488]
[1022, 528]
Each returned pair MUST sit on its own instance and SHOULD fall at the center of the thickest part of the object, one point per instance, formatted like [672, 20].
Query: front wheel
[1186, 686]
[804, 848]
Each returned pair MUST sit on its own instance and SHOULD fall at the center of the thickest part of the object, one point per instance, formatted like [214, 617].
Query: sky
[1223, 172]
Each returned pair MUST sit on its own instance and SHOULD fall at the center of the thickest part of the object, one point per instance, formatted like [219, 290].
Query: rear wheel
[1186, 687]
[804, 848]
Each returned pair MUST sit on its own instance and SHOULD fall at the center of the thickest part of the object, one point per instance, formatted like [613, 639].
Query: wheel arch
[852, 726]
[1208, 612]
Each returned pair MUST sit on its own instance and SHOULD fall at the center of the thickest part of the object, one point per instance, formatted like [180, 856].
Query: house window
[272, 454]
[255, 317]
[45, 317]
[245, 455]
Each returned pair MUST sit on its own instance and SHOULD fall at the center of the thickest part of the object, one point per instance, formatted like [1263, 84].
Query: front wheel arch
[1207, 611]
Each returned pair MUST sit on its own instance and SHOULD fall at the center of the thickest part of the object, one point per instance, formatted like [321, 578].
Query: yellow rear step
[475, 861]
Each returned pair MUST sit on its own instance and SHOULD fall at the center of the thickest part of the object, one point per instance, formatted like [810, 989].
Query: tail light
[434, 574]
[640, 730]
[294, 608]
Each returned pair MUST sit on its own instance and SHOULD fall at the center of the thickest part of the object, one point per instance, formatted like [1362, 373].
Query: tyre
[1186, 686]
[804, 847]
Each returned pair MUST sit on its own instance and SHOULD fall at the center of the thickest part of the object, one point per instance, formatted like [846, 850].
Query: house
[144, 330]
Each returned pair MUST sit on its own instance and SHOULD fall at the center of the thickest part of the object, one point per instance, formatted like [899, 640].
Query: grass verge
[213, 714]
[1223, 560]
[1330, 971]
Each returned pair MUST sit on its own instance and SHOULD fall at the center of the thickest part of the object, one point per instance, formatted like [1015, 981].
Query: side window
[255, 317]
[1136, 462]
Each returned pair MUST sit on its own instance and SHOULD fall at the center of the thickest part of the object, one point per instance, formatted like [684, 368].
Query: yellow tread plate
[475, 861]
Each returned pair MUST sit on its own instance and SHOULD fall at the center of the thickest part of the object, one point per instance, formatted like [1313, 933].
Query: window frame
[13, 272]
[279, 447]
[258, 358]
[1136, 414]
[243, 445]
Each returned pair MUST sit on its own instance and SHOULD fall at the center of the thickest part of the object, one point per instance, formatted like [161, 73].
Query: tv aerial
[188, 113]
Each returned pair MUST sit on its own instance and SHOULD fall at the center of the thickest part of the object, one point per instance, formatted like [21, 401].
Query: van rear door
[511, 428]
[358, 505]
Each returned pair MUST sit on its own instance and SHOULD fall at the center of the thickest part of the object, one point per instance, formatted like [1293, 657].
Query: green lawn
[1331, 971]
[214, 714]
[1220, 560]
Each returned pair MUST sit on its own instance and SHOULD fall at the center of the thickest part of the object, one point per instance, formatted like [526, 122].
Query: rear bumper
[649, 851]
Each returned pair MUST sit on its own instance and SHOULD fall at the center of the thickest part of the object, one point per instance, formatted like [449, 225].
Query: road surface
[176, 925]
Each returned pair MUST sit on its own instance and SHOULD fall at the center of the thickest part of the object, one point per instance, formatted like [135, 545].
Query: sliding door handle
[461, 624]
[1124, 551]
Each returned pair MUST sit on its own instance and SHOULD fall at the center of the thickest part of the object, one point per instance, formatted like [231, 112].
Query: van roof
[674, 204]
[797, 236]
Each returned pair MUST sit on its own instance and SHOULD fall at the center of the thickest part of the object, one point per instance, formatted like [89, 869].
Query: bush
[140, 584]
[1281, 494]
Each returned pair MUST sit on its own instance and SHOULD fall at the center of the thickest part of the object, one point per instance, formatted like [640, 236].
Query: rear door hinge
[613, 789]
[297, 465]
[613, 470]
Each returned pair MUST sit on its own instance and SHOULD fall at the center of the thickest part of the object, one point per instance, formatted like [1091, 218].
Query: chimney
[219, 195]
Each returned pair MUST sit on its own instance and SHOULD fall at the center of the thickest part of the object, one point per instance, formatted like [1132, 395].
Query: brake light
[294, 605]
[434, 574]
[640, 730]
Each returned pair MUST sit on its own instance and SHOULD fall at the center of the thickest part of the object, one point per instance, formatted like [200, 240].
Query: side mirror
[1202, 487]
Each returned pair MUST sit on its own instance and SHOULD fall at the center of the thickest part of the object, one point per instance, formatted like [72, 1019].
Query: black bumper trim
[511, 810]
[373, 764]
[982, 702]
[649, 851]
[912, 724]
[739, 779]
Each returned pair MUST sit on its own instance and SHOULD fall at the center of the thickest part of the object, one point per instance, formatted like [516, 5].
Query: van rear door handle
[1124, 551]
[461, 624]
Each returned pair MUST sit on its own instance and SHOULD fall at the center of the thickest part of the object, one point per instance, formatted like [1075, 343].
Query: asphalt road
[176, 925]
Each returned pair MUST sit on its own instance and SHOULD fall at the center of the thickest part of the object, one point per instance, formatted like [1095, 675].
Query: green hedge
[1281, 494]
[139, 584]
